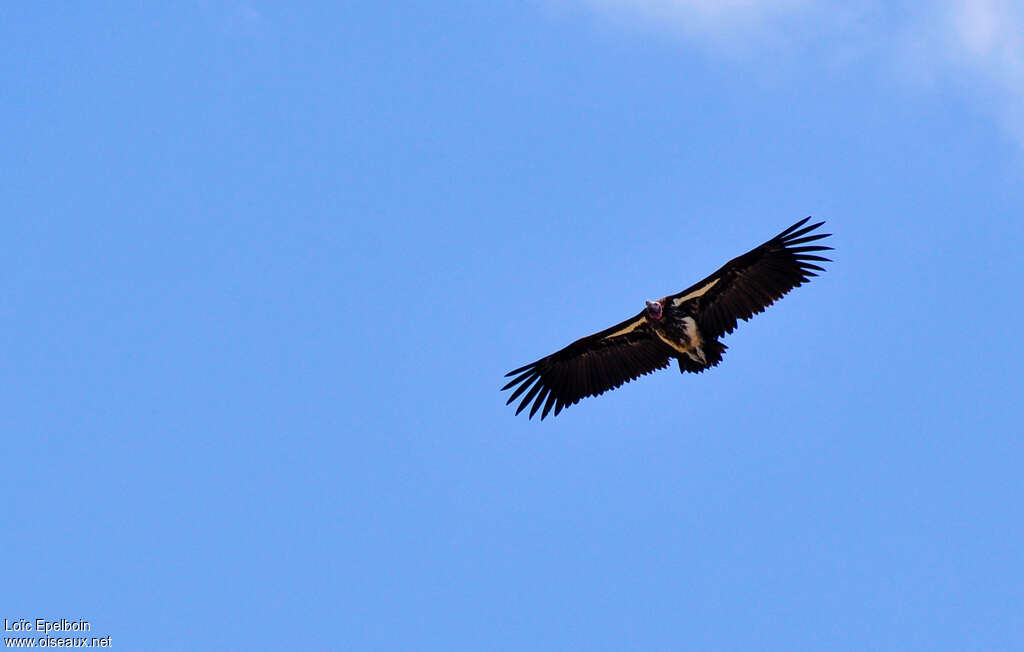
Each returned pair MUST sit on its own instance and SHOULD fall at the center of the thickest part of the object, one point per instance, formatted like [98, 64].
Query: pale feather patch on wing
[693, 295]
[693, 340]
[628, 329]
[675, 345]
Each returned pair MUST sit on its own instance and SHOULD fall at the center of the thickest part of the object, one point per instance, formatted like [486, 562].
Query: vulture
[685, 326]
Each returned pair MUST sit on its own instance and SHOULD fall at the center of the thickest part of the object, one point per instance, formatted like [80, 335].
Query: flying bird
[683, 326]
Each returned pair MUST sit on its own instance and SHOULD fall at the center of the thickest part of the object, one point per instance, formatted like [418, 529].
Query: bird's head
[654, 309]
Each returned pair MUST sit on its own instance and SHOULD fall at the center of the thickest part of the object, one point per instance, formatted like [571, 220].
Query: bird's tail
[707, 355]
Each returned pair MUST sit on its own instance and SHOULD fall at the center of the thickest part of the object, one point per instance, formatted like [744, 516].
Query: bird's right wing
[589, 366]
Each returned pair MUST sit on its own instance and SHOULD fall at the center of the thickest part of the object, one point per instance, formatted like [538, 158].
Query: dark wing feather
[748, 284]
[588, 367]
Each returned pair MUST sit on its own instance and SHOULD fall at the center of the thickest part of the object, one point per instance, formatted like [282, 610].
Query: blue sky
[264, 268]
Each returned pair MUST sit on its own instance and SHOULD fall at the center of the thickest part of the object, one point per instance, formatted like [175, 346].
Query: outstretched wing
[589, 366]
[748, 284]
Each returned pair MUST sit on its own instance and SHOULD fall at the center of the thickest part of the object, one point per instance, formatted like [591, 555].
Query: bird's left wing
[748, 284]
[589, 366]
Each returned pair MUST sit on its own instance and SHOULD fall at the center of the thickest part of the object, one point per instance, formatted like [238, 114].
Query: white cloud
[739, 27]
[977, 45]
[983, 43]
[705, 14]
[977, 24]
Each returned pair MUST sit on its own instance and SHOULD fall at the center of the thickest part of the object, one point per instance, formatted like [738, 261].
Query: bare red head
[654, 309]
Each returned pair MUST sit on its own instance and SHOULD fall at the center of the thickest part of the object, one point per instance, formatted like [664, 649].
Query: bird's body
[684, 327]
